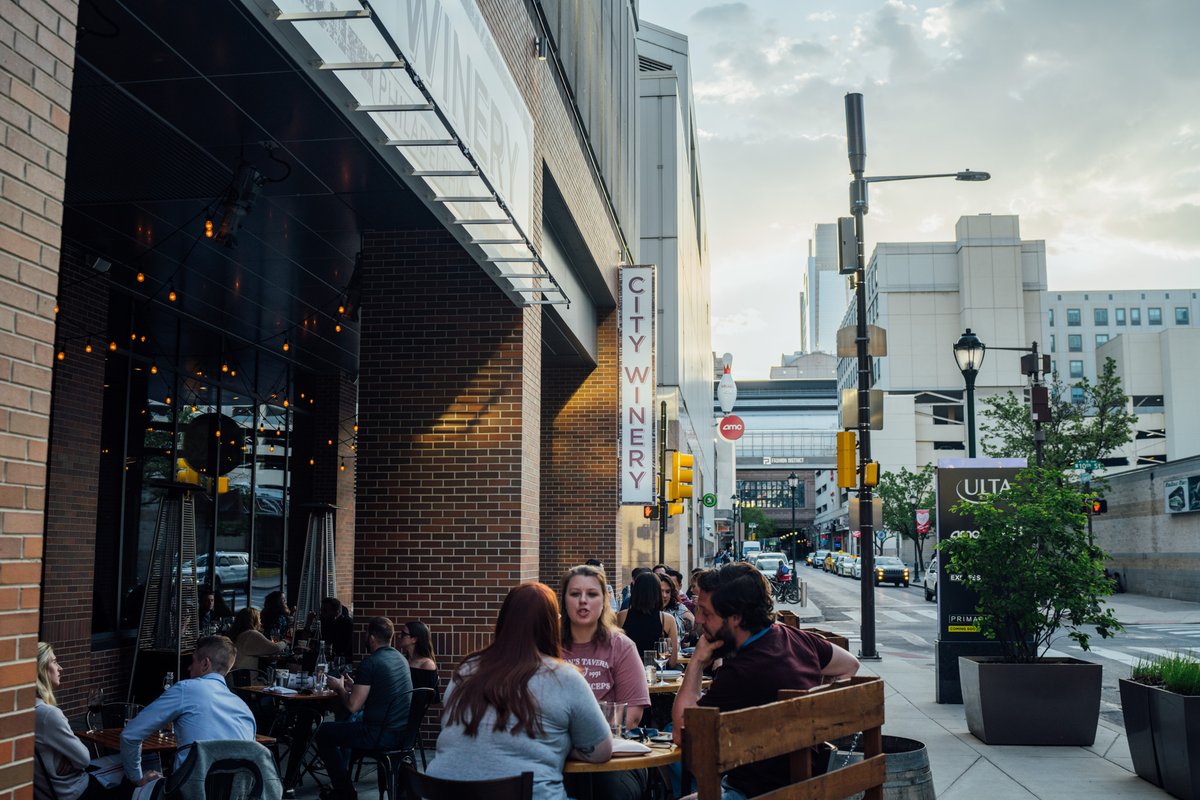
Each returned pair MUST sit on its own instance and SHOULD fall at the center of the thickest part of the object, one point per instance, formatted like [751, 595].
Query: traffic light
[1099, 505]
[680, 485]
[847, 457]
[650, 512]
[674, 509]
[871, 476]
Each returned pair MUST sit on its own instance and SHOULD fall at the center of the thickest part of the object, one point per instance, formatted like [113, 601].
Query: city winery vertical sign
[638, 311]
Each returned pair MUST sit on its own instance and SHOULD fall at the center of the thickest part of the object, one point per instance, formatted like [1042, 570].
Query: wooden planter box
[1163, 729]
[1054, 701]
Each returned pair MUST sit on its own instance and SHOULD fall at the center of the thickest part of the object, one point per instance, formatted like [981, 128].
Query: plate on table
[662, 738]
[670, 674]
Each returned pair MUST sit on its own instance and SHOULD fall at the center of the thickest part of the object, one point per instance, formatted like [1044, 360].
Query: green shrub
[1178, 673]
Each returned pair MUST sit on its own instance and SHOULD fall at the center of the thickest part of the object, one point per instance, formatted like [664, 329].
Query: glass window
[770, 494]
[1135, 316]
[1073, 318]
[1052, 316]
[1075, 343]
[1077, 395]
[1076, 369]
[1100, 316]
[1101, 338]
[1154, 316]
[947, 415]
[1053, 366]
[1120, 316]
[1181, 315]
[1052, 343]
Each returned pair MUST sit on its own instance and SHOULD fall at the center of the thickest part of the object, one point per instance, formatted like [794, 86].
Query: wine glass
[168, 682]
[95, 707]
[662, 653]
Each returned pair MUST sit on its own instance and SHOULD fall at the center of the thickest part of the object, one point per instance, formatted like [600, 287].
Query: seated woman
[276, 617]
[417, 646]
[248, 638]
[60, 766]
[516, 706]
[684, 620]
[609, 661]
[645, 621]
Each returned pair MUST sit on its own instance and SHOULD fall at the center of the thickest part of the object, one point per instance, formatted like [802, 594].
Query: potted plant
[1035, 572]
[1161, 704]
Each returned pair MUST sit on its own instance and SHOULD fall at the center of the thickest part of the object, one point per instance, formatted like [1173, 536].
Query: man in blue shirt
[203, 709]
[382, 693]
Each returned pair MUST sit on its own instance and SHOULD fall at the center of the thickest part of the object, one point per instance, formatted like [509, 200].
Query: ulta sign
[637, 384]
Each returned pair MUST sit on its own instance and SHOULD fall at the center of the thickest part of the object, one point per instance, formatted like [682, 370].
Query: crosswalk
[910, 616]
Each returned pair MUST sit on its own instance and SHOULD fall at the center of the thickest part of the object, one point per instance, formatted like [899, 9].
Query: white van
[750, 549]
[931, 576]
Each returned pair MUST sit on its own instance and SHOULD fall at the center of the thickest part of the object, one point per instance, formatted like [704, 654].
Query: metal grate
[317, 578]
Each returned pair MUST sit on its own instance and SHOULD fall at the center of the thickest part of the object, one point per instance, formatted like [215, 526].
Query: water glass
[281, 677]
[614, 713]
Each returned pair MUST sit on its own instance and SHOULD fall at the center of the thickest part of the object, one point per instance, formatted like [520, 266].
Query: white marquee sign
[637, 378]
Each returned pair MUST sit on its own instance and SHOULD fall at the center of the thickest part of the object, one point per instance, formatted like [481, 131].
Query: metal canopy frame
[474, 227]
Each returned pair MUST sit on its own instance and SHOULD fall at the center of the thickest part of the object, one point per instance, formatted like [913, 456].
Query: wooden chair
[424, 787]
[715, 742]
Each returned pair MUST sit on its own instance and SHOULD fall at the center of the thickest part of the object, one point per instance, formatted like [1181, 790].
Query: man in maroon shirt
[734, 610]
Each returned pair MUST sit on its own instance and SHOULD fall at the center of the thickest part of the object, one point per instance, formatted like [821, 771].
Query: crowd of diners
[526, 702]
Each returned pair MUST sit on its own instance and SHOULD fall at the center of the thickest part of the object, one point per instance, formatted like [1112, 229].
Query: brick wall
[36, 61]
[448, 445]
[580, 463]
[73, 479]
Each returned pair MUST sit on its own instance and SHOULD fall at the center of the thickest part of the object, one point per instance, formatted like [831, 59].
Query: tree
[1032, 565]
[764, 526]
[1092, 429]
[902, 493]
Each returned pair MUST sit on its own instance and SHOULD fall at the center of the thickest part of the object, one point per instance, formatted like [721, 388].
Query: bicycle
[787, 590]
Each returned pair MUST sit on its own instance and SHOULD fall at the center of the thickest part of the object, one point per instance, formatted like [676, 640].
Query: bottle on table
[321, 667]
[168, 682]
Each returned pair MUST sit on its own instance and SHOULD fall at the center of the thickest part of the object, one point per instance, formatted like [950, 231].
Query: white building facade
[825, 295]
[673, 236]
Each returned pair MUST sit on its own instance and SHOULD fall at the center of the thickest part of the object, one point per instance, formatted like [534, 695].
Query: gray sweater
[60, 751]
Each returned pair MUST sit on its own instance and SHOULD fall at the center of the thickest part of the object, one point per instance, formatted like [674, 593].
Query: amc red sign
[731, 427]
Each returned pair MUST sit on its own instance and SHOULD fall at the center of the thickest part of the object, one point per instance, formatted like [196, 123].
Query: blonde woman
[249, 640]
[62, 760]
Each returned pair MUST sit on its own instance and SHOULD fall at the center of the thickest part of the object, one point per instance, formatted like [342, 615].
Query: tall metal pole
[856, 144]
[969, 376]
[663, 506]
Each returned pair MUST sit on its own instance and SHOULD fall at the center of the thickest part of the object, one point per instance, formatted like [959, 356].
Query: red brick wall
[448, 445]
[74, 476]
[36, 61]
[581, 463]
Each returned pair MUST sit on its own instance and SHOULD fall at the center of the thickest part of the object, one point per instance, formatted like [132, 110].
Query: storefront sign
[638, 433]
[1181, 494]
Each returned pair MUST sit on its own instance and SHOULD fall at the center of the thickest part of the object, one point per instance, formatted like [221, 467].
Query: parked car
[817, 559]
[232, 567]
[931, 578]
[856, 570]
[890, 569]
[845, 567]
[767, 563]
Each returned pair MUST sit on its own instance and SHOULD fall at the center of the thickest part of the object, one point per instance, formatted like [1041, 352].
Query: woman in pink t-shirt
[592, 641]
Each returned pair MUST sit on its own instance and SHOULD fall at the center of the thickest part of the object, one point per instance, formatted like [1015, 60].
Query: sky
[1085, 112]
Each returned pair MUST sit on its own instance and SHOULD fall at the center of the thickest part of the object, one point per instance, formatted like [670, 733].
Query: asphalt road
[906, 627]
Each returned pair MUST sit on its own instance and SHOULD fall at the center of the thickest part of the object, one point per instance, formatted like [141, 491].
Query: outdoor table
[298, 697]
[671, 687]
[110, 739]
[660, 756]
[305, 712]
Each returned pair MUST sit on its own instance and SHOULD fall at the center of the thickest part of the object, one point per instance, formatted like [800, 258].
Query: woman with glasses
[416, 643]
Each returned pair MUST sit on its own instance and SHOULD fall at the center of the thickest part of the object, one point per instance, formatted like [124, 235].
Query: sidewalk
[966, 769]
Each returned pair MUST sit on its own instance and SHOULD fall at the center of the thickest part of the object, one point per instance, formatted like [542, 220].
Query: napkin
[628, 747]
[280, 690]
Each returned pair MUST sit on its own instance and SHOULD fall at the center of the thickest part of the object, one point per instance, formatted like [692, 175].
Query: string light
[208, 228]
[286, 346]
[141, 277]
[285, 402]
[153, 368]
[171, 294]
[62, 355]
[341, 308]
[342, 468]
[224, 368]
[112, 346]
[87, 348]
[168, 399]
[133, 337]
[56, 308]
[338, 327]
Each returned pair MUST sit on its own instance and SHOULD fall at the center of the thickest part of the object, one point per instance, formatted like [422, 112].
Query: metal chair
[387, 762]
[424, 787]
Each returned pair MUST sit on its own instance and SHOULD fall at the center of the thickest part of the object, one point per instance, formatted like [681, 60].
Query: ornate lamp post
[793, 481]
[969, 353]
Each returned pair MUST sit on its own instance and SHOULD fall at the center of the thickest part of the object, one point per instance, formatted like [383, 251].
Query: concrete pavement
[966, 769]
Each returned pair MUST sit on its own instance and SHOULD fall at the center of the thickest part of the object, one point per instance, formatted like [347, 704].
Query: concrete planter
[1163, 729]
[1054, 701]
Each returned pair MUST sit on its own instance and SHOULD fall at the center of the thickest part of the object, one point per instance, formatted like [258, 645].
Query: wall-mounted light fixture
[541, 48]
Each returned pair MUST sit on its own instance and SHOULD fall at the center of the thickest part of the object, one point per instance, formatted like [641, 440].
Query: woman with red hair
[516, 706]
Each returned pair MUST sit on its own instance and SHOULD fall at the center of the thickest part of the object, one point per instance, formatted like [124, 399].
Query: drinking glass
[614, 714]
[648, 659]
[95, 707]
[662, 654]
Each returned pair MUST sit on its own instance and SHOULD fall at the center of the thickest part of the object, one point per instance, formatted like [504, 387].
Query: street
[906, 625]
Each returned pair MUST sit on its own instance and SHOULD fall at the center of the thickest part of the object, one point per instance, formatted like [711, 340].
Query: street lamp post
[793, 481]
[737, 516]
[856, 146]
[969, 353]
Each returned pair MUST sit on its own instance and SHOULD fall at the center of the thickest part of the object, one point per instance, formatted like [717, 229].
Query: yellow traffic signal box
[847, 459]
